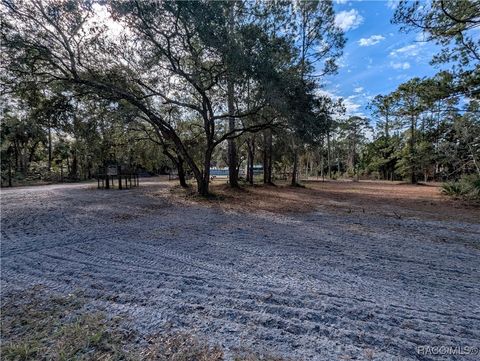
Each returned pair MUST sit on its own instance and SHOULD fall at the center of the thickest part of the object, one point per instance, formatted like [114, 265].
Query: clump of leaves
[454, 189]
[467, 188]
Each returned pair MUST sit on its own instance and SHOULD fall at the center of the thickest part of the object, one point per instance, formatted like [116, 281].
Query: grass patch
[180, 347]
[37, 326]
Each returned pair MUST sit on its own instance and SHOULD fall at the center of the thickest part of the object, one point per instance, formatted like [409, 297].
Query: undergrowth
[467, 188]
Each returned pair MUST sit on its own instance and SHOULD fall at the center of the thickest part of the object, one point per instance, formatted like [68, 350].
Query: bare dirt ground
[334, 271]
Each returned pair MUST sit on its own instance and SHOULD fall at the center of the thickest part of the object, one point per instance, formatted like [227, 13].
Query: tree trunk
[232, 159]
[329, 155]
[203, 178]
[338, 160]
[181, 173]
[294, 170]
[9, 171]
[251, 158]
[413, 178]
[310, 166]
[17, 165]
[31, 153]
[178, 162]
[232, 149]
[74, 168]
[270, 156]
[267, 157]
[387, 126]
[49, 147]
[203, 183]
[472, 154]
[354, 155]
[68, 164]
[322, 165]
[202, 187]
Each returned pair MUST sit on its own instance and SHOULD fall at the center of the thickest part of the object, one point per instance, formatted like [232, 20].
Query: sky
[377, 56]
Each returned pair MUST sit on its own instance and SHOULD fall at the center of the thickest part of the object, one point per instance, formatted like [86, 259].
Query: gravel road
[317, 286]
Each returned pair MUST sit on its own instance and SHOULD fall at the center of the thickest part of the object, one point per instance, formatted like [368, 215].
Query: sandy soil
[365, 271]
[374, 197]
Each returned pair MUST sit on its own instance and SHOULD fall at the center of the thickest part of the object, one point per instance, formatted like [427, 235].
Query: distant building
[257, 169]
[223, 172]
[219, 172]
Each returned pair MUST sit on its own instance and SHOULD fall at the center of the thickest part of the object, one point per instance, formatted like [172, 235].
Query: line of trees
[430, 128]
[196, 74]
[191, 85]
[426, 129]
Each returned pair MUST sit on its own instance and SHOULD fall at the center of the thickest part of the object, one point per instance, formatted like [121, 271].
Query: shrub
[468, 188]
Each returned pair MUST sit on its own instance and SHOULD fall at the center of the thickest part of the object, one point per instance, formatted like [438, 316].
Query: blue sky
[377, 56]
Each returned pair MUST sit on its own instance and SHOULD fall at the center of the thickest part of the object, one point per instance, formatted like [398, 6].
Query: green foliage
[156, 98]
[174, 69]
[448, 23]
[468, 188]
[438, 139]
[381, 156]
[453, 25]
[39, 143]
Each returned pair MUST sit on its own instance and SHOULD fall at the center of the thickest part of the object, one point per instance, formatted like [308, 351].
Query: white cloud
[408, 50]
[358, 90]
[392, 4]
[342, 61]
[421, 37]
[404, 66]
[351, 106]
[341, 1]
[103, 17]
[372, 40]
[348, 20]
[327, 93]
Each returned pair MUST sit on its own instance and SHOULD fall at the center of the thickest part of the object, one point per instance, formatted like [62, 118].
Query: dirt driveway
[327, 284]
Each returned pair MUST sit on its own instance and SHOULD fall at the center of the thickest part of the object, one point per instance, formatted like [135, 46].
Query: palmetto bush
[468, 188]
